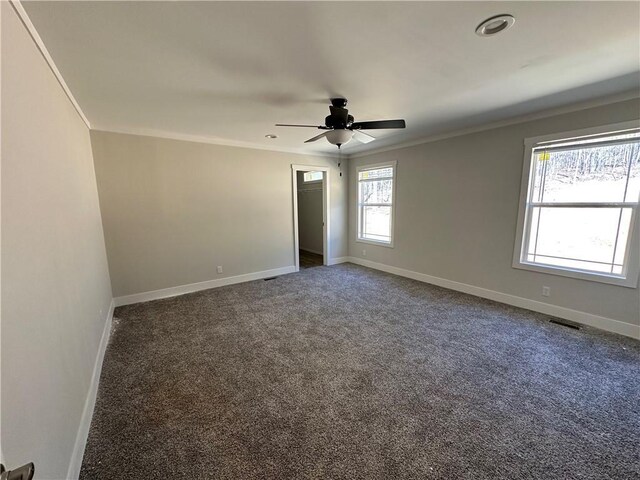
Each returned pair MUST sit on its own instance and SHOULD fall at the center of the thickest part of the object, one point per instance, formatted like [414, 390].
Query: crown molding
[26, 21]
[142, 132]
[24, 17]
[551, 112]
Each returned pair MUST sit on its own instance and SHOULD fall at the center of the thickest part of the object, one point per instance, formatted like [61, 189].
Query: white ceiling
[231, 70]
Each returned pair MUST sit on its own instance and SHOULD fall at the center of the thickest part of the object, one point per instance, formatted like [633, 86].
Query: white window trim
[629, 278]
[376, 166]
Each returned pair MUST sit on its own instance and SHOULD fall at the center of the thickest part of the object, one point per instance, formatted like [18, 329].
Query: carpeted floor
[344, 372]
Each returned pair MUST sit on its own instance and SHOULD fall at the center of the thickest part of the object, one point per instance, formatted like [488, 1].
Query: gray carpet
[345, 372]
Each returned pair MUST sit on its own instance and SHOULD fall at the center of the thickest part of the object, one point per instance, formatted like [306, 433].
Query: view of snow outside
[588, 237]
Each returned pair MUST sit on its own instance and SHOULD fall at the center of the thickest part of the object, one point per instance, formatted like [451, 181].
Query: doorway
[310, 215]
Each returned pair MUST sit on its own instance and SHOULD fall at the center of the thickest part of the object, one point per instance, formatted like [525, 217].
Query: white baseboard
[311, 251]
[584, 318]
[337, 260]
[87, 414]
[195, 287]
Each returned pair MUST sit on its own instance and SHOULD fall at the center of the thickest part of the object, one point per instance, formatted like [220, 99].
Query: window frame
[359, 206]
[631, 263]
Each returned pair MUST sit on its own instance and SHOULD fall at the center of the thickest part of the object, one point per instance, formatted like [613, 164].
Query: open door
[310, 215]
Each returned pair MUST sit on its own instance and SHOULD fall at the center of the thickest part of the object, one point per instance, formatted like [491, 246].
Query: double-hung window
[376, 191]
[579, 205]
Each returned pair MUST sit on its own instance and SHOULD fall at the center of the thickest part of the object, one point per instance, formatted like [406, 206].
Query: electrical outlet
[364, 253]
[546, 291]
[219, 268]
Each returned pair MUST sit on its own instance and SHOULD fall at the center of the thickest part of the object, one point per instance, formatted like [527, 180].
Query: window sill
[375, 242]
[630, 281]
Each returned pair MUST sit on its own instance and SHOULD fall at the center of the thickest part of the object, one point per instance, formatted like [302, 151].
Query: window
[376, 191]
[580, 204]
[312, 177]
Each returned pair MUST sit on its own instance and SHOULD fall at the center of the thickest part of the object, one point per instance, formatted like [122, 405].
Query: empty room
[320, 240]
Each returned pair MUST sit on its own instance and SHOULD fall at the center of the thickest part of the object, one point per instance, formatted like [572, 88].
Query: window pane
[312, 176]
[584, 238]
[376, 223]
[633, 190]
[540, 164]
[623, 236]
[376, 192]
[608, 173]
[377, 173]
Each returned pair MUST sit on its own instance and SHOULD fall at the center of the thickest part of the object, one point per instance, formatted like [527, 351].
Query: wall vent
[565, 323]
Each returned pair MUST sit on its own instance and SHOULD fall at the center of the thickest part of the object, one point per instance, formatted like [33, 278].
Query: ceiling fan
[340, 126]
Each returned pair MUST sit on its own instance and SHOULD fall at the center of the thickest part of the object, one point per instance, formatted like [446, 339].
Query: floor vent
[565, 323]
[270, 278]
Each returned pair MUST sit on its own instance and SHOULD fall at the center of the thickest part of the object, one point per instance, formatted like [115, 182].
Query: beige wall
[55, 284]
[174, 210]
[457, 206]
[309, 215]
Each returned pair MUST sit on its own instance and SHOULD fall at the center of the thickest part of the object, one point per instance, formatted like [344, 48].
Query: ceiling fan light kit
[341, 127]
[339, 137]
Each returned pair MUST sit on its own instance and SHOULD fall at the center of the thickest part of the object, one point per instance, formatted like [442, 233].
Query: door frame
[325, 210]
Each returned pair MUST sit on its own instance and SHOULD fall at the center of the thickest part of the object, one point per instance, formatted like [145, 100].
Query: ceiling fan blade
[317, 137]
[377, 124]
[289, 125]
[363, 137]
[341, 114]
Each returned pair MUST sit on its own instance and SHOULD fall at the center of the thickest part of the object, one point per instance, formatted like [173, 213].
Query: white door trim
[325, 210]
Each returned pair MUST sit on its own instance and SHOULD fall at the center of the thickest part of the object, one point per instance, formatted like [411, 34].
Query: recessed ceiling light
[271, 135]
[494, 25]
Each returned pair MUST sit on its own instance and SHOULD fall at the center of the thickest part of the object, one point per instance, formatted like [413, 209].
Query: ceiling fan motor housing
[331, 121]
